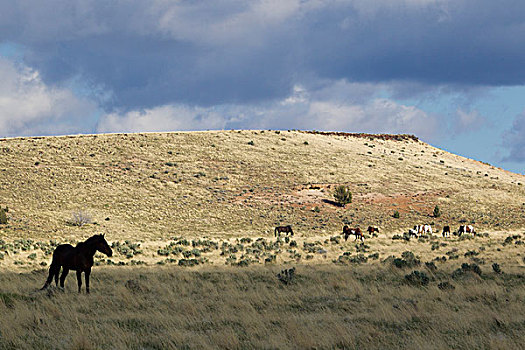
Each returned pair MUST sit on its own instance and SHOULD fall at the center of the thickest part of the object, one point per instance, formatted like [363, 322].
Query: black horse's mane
[91, 239]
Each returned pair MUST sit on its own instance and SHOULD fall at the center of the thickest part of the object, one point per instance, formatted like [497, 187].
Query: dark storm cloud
[151, 53]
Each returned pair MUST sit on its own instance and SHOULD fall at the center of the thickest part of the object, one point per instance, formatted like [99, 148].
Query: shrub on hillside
[287, 276]
[496, 268]
[342, 195]
[446, 285]
[408, 259]
[466, 269]
[417, 278]
[437, 212]
[80, 218]
[3, 216]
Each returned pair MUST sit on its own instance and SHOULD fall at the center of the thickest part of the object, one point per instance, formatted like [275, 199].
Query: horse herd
[417, 231]
[80, 257]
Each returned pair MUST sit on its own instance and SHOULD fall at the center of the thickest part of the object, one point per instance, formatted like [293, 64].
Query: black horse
[79, 258]
[285, 229]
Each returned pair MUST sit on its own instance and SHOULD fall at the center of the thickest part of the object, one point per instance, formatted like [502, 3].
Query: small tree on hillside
[3, 216]
[437, 212]
[342, 195]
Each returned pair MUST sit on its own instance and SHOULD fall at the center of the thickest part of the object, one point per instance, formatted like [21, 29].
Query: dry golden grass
[149, 188]
[213, 198]
[324, 307]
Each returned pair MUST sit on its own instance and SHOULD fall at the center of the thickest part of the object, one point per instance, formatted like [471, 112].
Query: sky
[452, 72]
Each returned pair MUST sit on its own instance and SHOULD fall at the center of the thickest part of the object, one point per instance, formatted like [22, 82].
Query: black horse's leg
[57, 272]
[63, 276]
[88, 271]
[79, 280]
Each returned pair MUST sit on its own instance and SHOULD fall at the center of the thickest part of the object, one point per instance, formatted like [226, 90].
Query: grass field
[323, 307]
[190, 217]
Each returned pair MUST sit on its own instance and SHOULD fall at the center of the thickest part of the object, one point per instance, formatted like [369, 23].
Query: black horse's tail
[53, 271]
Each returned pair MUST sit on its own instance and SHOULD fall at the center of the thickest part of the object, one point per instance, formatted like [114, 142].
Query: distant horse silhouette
[347, 231]
[466, 229]
[286, 229]
[372, 229]
[79, 258]
[446, 231]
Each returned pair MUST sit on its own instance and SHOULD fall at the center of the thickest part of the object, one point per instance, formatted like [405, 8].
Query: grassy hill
[212, 199]
[233, 183]
[154, 187]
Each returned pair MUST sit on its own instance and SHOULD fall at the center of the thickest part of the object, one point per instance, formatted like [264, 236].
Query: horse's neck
[88, 248]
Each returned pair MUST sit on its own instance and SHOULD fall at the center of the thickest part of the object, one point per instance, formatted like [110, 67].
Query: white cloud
[303, 109]
[163, 118]
[468, 121]
[29, 107]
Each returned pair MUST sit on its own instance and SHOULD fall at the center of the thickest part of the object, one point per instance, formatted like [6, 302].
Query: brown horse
[286, 229]
[466, 229]
[79, 258]
[372, 229]
[347, 231]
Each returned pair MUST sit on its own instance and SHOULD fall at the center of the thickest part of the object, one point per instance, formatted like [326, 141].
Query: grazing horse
[413, 232]
[423, 229]
[466, 229]
[347, 231]
[446, 231]
[79, 258]
[286, 229]
[372, 229]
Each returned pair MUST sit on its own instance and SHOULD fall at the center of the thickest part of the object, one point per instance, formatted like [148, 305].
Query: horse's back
[62, 252]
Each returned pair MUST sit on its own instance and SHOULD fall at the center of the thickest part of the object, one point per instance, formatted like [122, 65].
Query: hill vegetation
[191, 216]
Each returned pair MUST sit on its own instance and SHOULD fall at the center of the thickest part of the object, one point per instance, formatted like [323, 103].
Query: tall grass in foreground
[219, 307]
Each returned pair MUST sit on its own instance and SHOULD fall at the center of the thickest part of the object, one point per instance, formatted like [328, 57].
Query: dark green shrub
[417, 278]
[446, 285]
[287, 276]
[465, 269]
[196, 252]
[396, 215]
[374, 256]
[471, 253]
[188, 262]
[163, 252]
[408, 259]
[496, 268]
[431, 266]
[437, 212]
[271, 259]
[3, 216]
[342, 195]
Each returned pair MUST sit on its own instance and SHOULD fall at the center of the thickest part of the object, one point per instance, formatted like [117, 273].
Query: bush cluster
[417, 278]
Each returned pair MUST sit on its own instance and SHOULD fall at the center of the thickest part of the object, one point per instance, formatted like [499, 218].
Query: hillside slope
[233, 183]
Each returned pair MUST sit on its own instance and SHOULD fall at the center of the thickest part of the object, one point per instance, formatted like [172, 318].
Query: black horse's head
[102, 245]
